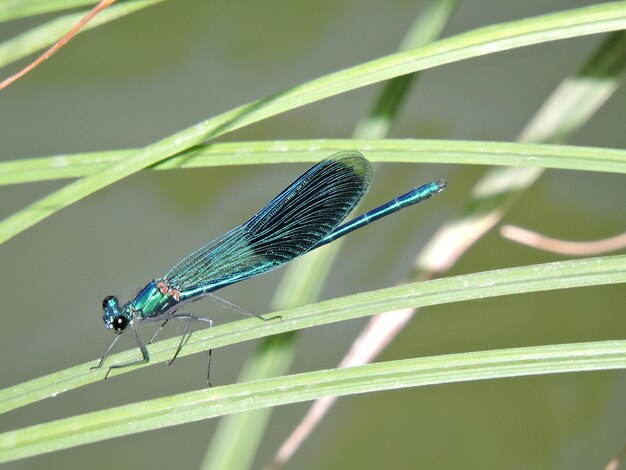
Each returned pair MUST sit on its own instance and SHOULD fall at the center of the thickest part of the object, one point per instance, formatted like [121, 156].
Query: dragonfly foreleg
[144, 353]
[106, 354]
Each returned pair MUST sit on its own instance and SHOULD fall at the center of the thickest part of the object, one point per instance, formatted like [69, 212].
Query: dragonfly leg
[144, 353]
[182, 339]
[275, 317]
[189, 317]
[185, 336]
[106, 353]
[242, 310]
[156, 333]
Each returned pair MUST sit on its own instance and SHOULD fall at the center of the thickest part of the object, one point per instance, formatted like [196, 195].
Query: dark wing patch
[288, 226]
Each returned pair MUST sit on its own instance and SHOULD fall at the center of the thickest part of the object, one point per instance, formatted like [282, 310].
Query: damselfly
[305, 216]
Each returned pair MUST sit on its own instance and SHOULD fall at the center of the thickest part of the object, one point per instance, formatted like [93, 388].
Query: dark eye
[119, 322]
[106, 301]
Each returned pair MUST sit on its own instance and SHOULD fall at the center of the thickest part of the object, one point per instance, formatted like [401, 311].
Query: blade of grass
[48, 33]
[14, 9]
[305, 151]
[562, 25]
[75, 29]
[534, 278]
[208, 403]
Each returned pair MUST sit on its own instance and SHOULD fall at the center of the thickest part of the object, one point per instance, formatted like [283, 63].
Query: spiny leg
[106, 353]
[189, 317]
[144, 353]
[156, 333]
[208, 370]
[182, 338]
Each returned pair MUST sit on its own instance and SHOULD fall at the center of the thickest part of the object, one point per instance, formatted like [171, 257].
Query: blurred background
[138, 79]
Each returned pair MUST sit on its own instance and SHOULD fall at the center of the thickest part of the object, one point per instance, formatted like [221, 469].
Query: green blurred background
[140, 78]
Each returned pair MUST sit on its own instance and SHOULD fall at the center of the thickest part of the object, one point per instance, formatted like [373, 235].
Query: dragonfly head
[114, 318]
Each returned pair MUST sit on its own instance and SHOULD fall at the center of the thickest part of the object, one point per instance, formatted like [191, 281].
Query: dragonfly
[302, 218]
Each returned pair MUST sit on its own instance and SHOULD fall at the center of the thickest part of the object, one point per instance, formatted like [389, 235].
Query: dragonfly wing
[288, 226]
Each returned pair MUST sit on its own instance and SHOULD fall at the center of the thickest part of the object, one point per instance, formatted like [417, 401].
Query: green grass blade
[534, 278]
[209, 403]
[48, 33]
[14, 9]
[306, 151]
[562, 25]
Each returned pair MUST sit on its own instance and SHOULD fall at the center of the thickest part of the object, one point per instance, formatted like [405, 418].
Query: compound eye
[119, 322]
[105, 301]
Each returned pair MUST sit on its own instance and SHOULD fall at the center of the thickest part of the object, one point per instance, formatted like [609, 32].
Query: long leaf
[535, 278]
[562, 25]
[48, 33]
[291, 151]
[14, 9]
[209, 403]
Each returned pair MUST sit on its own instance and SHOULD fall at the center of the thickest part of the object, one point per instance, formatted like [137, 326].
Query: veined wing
[288, 226]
